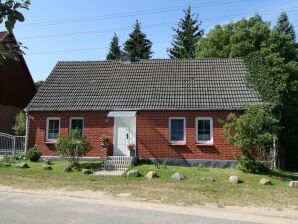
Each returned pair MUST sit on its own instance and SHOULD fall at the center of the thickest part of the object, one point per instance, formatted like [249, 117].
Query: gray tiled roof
[157, 84]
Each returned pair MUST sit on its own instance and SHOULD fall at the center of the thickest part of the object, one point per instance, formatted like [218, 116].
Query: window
[76, 123]
[53, 128]
[177, 130]
[204, 130]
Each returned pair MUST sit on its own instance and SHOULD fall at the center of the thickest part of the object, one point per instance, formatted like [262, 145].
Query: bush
[73, 146]
[253, 133]
[248, 165]
[18, 157]
[33, 154]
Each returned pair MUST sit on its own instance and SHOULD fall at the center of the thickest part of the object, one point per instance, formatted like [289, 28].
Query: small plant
[7, 159]
[48, 162]
[104, 139]
[73, 146]
[157, 165]
[131, 146]
[33, 154]
[164, 164]
[18, 157]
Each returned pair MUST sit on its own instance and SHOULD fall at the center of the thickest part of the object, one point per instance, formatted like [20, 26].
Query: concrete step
[120, 163]
[105, 173]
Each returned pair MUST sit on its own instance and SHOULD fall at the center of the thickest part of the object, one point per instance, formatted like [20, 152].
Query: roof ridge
[154, 59]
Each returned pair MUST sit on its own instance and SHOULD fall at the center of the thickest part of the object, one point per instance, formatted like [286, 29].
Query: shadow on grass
[281, 175]
[86, 165]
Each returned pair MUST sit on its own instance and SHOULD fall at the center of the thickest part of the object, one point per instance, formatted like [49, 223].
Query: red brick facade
[151, 134]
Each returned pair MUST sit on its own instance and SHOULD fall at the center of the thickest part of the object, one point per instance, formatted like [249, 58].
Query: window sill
[49, 143]
[177, 144]
[204, 145]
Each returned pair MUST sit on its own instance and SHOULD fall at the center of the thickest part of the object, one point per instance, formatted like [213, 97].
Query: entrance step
[118, 163]
[106, 173]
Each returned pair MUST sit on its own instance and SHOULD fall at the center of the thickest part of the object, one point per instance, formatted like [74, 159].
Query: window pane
[77, 124]
[204, 130]
[177, 130]
[53, 129]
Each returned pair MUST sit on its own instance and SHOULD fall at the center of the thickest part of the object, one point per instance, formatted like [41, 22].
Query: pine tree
[138, 46]
[115, 50]
[187, 36]
[283, 26]
[283, 35]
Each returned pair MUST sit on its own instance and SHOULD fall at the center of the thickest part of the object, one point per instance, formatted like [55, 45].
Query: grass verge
[192, 191]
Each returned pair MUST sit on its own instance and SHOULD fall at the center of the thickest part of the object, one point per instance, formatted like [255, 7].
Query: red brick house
[168, 109]
[16, 86]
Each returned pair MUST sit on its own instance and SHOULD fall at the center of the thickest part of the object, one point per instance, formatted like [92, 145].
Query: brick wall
[152, 134]
[95, 125]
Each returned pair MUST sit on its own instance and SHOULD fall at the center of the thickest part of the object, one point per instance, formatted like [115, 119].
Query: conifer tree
[138, 46]
[283, 26]
[115, 50]
[187, 36]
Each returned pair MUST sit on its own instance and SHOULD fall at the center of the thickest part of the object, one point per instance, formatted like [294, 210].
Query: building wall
[7, 118]
[152, 134]
[95, 125]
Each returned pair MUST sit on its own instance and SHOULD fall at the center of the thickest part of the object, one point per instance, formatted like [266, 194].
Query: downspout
[27, 130]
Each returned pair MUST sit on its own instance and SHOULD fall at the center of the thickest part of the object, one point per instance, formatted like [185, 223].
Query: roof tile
[157, 84]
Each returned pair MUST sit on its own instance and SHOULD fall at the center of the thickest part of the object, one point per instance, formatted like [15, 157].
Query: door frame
[134, 126]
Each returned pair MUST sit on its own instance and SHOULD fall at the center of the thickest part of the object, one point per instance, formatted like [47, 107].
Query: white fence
[10, 144]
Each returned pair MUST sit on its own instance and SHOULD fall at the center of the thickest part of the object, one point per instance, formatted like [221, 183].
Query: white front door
[124, 132]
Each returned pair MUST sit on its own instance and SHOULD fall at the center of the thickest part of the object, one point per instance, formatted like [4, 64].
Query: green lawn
[192, 191]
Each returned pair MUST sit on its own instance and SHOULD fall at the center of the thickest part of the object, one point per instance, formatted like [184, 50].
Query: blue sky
[66, 30]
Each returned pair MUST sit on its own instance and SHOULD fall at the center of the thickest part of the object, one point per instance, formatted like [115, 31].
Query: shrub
[248, 165]
[253, 132]
[33, 154]
[18, 157]
[20, 125]
[73, 146]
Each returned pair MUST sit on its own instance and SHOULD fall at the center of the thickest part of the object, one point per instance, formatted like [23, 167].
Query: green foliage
[73, 146]
[248, 165]
[236, 39]
[283, 26]
[104, 139]
[9, 12]
[18, 157]
[20, 125]
[271, 56]
[39, 84]
[7, 159]
[187, 35]
[33, 154]
[9, 15]
[115, 50]
[251, 132]
[138, 46]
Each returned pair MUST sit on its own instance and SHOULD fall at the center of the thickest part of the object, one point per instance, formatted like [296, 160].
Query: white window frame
[184, 131]
[47, 128]
[76, 118]
[210, 142]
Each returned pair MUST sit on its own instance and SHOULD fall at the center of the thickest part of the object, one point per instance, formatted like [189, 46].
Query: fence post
[27, 131]
[14, 145]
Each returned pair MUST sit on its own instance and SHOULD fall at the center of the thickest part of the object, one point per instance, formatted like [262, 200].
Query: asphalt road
[31, 209]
